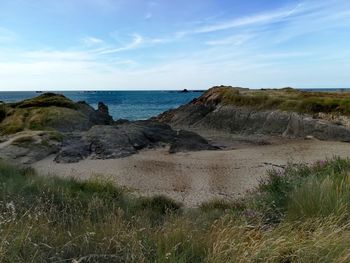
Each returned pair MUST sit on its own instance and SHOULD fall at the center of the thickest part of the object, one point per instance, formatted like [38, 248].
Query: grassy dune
[298, 214]
[46, 112]
[287, 99]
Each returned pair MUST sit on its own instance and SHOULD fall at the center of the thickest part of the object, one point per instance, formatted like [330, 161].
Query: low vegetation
[49, 118]
[287, 99]
[46, 100]
[46, 112]
[297, 214]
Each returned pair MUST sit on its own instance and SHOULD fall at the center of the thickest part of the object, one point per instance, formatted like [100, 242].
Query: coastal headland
[217, 146]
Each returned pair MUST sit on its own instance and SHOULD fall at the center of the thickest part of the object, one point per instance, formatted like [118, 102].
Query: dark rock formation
[117, 141]
[208, 112]
[51, 111]
[29, 147]
[52, 124]
[103, 114]
[73, 149]
[189, 141]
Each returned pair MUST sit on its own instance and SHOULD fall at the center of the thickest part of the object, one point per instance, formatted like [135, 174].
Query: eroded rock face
[29, 146]
[52, 124]
[117, 141]
[208, 113]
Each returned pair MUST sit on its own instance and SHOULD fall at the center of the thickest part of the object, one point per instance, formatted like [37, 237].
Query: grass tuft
[286, 99]
[297, 214]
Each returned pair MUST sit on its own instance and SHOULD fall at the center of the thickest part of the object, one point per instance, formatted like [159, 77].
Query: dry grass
[46, 118]
[286, 99]
[300, 214]
[320, 240]
[46, 112]
[46, 100]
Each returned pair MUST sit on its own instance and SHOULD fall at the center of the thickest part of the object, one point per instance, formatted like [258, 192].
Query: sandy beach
[196, 177]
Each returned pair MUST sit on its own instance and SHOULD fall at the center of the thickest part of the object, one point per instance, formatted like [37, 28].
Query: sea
[130, 105]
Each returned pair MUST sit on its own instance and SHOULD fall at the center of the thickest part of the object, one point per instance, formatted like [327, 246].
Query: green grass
[46, 100]
[44, 118]
[46, 112]
[297, 214]
[285, 99]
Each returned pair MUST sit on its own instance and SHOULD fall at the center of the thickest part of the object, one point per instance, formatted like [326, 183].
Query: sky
[167, 44]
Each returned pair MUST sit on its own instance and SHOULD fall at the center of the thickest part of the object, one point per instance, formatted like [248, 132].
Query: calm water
[131, 105]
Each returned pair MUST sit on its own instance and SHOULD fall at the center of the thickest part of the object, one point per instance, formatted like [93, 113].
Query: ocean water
[131, 105]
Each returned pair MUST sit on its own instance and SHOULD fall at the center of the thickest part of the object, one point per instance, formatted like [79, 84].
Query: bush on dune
[298, 214]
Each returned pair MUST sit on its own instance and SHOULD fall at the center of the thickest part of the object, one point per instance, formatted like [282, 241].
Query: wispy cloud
[231, 40]
[92, 41]
[136, 41]
[57, 55]
[258, 50]
[257, 19]
[250, 20]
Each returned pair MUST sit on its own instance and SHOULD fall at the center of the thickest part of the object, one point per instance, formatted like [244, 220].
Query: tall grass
[298, 214]
[288, 100]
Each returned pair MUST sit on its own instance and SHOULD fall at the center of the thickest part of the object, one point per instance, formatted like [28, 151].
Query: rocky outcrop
[209, 112]
[51, 111]
[52, 124]
[30, 146]
[117, 141]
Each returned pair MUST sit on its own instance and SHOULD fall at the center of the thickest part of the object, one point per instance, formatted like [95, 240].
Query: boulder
[118, 141]
[186, 141]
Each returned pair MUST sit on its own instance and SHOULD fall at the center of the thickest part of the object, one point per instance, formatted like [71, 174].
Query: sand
[196, 177]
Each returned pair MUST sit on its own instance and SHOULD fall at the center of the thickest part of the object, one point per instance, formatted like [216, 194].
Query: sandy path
[195, 177]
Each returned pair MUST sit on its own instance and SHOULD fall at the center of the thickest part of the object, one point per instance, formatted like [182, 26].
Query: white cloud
[231, 40]
[92, 41]
[244, 51]
[250, 20]
[257, 19]
[56, 55]
[137, 40]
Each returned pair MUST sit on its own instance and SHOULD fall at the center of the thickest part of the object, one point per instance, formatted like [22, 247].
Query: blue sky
[166, 44]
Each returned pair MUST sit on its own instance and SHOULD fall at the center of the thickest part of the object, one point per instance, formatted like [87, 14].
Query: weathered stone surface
[73, 149]
[189, 141]
[117, 141]
[29, 147]
[208, 113]
[52, 124]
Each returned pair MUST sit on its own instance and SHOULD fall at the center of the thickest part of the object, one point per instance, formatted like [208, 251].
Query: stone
[118, 141]
[208, 113]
